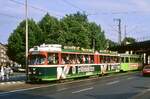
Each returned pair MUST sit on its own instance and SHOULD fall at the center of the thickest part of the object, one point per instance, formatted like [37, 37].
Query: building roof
[142, 47]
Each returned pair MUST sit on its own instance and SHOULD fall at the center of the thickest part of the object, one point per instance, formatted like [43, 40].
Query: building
[3, 56]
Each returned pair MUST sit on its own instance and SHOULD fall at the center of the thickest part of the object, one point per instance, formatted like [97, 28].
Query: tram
[130, 62]
[49, 62]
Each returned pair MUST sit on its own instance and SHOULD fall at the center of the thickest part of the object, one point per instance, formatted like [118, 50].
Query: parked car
[15, 69]
[146, 70]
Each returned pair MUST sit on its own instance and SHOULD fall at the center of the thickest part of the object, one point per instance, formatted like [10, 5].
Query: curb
[12, 82]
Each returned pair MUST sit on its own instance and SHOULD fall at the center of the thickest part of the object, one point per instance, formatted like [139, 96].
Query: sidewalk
[15, 77]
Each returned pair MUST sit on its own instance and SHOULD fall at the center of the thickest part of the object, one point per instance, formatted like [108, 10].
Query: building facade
[3, 56]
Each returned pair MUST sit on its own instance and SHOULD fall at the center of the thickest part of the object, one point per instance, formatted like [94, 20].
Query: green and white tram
[52, 62]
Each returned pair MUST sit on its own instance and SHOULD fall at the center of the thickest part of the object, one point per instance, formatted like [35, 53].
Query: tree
[78, 31]
[96, 36]
[74, 32]
[50, 27]
[111, 43]
[128, 40]
[16, 41]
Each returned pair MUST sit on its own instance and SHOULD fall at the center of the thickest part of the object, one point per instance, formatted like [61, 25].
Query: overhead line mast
[119, 30]
[26, 17]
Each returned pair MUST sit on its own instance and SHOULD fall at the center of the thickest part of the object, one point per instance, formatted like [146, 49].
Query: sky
[134, 14]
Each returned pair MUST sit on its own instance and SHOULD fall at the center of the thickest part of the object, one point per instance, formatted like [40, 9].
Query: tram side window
[108, 59]
[114, 59]
[65, 58]
[105, 59]
[37, 59]
[80, 58]
[52, 58]
[70, 59]
[102, 59]
[122, 59]
[91, 59]
[77, 59]
[88, 59]
[137, 59]
[131, 60]
[126, 59]
[85, 59]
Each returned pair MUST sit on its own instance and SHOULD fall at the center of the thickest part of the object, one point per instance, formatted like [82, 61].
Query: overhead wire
[11, 16]
[80, 9]
[69, 3]
[34, 7]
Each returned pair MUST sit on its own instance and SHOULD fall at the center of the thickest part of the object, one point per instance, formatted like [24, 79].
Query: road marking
[130, 78]
[62, 89]
[90, 88]
[114, 82]
[140, 94]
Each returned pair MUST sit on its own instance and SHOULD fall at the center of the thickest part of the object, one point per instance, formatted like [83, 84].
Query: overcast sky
[135, 14]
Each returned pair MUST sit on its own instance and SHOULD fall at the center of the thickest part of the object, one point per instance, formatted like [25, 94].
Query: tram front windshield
[37, 59]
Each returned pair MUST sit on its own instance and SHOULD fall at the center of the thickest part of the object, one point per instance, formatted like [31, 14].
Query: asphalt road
[126, 86]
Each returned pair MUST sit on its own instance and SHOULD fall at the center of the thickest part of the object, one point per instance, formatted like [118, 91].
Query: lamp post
[26, 17]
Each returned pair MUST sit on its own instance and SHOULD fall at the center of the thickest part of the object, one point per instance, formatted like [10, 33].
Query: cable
[67, 2]
[15, 17]
[36, 8]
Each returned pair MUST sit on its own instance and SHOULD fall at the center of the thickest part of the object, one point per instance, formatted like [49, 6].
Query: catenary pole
[26, 17]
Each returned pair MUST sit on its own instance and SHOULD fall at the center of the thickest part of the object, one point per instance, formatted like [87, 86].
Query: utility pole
[125, 31]
[93, 44]
[26, 17]
[119, 30]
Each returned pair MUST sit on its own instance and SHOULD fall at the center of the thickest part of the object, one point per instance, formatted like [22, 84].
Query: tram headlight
[34, 72]
[29, 73]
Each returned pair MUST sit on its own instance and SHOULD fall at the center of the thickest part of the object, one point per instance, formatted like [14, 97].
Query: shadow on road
[23, 96]
[113, 96]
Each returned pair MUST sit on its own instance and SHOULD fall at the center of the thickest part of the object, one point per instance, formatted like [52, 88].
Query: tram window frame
[123, 59]
[127, 60]
[108, 59]
[79, 58]
[91, 59]
[65, 57]
[117, 59]
[131, 59]
[103, 59]
[53, 61]
[71, 58]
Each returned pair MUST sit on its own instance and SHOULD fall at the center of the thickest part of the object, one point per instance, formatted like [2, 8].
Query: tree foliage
[128, 40]
[16, 41]
[111, 43]
[71, 30]
[74, 31]
[50, 28]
